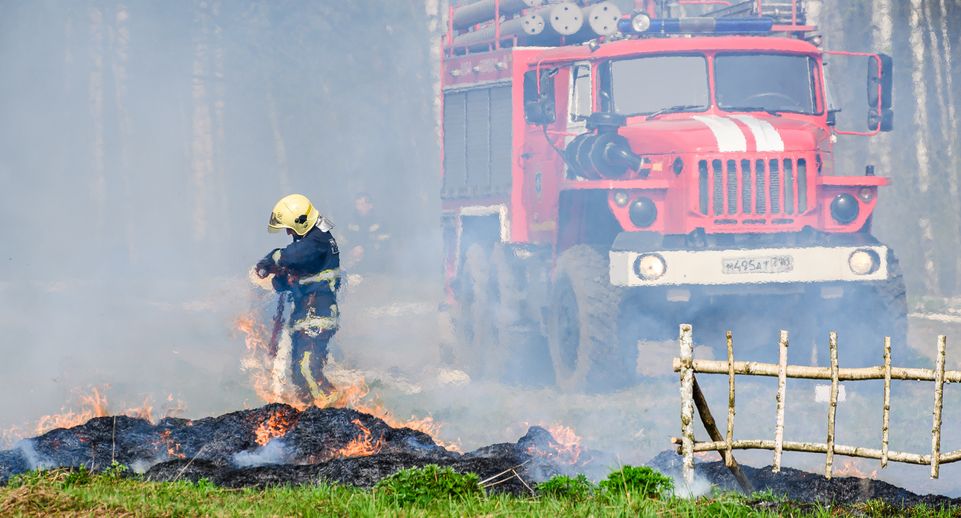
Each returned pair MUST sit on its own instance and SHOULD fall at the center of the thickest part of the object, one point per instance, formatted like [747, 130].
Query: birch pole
[781, 387]
[938, 403]
[687, 403]
[886, 419]
[833, 405]
[729, 454]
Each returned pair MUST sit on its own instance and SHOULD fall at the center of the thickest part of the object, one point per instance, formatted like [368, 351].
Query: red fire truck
[599, 190]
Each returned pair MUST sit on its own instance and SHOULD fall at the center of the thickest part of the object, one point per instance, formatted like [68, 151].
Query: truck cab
[678, 172]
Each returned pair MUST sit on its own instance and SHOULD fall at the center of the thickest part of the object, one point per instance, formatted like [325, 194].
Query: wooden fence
[692, 397]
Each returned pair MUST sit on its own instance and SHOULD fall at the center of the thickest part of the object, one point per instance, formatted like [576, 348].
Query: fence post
[833, 406]
[938, 402]
[781, 381]
[885, 421]
[687, 402]
[729, 454]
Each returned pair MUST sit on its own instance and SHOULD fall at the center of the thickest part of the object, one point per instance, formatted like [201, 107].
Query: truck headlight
[844, 208]
[863, 262]
[649, 266]
[643, 212]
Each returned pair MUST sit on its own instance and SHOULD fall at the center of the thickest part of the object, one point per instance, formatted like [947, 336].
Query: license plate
[770, 264]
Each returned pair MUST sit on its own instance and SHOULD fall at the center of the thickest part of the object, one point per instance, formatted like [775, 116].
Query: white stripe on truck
[729, 137]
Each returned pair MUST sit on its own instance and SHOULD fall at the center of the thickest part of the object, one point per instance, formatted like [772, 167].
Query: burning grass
[269, 378]
[65, 492]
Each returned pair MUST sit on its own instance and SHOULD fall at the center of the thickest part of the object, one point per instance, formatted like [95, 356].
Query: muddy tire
[890, 315]
[473, 315]
[587, 351]
[867, 315]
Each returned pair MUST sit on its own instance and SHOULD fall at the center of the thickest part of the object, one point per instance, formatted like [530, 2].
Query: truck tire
[862, 318]
[474, 313]
[869, 314]
[583, 336]
[520, 354]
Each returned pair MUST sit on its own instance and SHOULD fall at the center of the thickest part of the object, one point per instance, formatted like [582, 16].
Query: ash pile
[801, 486]
[278, 444]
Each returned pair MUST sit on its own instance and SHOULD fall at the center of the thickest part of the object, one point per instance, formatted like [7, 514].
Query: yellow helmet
[295, 212]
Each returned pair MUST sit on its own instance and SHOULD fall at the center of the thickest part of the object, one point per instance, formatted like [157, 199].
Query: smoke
[141, 149]
[274, 452]
[30, 455]
[142, 146]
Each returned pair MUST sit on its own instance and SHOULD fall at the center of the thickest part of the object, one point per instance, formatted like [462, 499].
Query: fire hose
[274, 342]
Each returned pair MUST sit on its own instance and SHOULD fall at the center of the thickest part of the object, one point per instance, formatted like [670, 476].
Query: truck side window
[581, 104]
[539, 106]
[604, 87]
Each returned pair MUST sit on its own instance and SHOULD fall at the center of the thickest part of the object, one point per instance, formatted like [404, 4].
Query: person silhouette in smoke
[366, 237]
[308, 268]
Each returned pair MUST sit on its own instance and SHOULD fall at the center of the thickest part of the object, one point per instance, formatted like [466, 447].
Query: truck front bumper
[754, 266]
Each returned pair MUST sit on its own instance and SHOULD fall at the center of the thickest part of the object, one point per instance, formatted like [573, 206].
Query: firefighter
[366, 237]
[308, 268]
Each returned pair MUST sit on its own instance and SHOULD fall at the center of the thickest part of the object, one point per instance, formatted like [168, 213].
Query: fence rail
[692, 397]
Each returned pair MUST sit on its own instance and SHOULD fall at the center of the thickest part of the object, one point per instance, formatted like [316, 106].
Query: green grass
[80, 493]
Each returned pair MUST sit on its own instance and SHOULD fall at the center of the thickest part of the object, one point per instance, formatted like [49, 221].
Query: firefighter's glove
[281, 282]
[268, 264]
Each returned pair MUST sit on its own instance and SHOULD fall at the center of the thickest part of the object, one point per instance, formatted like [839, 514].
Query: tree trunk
[119, 43]
[95, 93]
[918, 55]
[219, 106]
[202, 144]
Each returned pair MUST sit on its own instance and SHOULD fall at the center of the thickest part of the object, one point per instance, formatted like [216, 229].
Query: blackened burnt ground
[277, 444]
[802, 486]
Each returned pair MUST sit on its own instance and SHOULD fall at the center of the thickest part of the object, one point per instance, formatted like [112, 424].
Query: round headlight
[621, 198]
[678, 165]
[863, 262]
[643, 212]
[866, 194]
[650, 266]
[641, 22]
[844, 208]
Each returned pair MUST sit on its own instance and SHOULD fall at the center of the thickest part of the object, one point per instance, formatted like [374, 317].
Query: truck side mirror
[880, 93]
[539, 104]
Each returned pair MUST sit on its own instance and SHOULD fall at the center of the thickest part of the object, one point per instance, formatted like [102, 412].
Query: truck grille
[747, 188]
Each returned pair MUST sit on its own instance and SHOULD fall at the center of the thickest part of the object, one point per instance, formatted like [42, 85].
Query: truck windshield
[765, 82]
[659, 84]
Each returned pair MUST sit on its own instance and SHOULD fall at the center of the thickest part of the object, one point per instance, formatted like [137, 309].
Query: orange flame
[275, 426]
[95, 404]
[92, 405]
[258, 362]
[568, 448]
[362, 445]
[144, 411]
[356, 394]
[172, 446]
[852, 468]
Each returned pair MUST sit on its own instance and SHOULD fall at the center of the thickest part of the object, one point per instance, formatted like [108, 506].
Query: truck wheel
[586, 349]
[520, 355]
[474, 315]
[868, 315]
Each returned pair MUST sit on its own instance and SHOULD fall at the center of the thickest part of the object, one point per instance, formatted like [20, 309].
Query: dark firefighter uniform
[308, 268]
